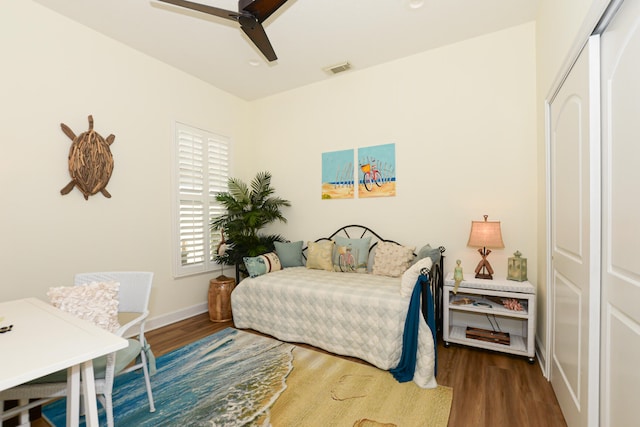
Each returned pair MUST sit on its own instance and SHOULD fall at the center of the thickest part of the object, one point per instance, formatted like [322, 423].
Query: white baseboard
[176, 316]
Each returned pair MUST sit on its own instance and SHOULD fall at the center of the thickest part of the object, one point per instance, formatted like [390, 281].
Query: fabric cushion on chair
[123, 358]
[96, 302]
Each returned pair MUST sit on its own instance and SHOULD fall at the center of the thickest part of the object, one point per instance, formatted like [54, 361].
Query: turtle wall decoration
[90, 161]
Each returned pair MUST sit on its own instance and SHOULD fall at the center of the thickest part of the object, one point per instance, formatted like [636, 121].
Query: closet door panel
[575, 230]
[620, 376]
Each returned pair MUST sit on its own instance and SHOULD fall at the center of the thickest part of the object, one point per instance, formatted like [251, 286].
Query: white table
[45, 340]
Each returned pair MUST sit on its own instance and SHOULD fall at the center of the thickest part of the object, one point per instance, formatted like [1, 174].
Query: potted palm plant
[247, 212]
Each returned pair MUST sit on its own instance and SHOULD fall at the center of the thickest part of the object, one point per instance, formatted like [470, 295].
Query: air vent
[338, 68]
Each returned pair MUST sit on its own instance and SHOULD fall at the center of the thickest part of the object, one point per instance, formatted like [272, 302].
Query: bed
[352, 308]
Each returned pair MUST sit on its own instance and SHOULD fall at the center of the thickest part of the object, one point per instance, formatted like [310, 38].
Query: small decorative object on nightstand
[517, 269]
[458, 276]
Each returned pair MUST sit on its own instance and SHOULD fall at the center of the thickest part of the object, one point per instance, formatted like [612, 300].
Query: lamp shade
[485, 234]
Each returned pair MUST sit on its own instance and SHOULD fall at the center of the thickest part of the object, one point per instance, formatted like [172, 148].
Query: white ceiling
[307, 35]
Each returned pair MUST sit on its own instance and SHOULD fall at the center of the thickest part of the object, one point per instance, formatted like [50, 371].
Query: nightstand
[496, 314]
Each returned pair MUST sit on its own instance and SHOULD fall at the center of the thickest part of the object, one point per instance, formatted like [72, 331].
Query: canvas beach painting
[377, 171]
[337, 175]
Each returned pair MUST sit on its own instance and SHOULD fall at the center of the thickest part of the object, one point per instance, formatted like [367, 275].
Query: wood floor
[489, 389]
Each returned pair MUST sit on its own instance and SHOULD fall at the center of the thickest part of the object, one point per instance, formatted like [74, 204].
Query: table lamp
[485, 234]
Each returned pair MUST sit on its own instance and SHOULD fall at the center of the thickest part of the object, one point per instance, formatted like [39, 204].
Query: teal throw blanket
[407, 366]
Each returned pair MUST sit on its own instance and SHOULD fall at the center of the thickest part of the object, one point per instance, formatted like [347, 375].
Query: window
[201, 171]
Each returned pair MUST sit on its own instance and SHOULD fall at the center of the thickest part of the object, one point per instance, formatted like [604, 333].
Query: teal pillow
[359, 250]
[428, 251]
[262, 264]
[290, 253]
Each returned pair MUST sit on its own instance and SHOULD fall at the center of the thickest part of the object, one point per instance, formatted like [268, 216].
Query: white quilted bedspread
[359, 315]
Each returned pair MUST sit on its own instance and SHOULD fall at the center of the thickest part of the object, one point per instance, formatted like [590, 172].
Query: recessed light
[254, 62]
[416, 4]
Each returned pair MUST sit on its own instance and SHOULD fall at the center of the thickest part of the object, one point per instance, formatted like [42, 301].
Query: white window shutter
[201, 172]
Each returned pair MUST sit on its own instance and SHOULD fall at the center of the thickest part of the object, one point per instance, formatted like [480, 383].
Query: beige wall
[53, 71]
[561, 27]
[463, 121]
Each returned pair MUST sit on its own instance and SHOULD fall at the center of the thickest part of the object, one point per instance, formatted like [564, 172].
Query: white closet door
[575, 243]
[620, 375]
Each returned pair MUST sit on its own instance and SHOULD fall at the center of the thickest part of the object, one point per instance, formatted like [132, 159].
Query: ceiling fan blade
[261, 9]
[258, 36]
[216, 11]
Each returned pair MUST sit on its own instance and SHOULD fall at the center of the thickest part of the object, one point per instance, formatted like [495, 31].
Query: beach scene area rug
[236, 378]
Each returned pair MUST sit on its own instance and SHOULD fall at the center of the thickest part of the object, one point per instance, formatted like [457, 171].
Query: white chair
[133, 296]
[133, 309]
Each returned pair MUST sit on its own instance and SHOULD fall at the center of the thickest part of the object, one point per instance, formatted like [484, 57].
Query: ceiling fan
[251, 14]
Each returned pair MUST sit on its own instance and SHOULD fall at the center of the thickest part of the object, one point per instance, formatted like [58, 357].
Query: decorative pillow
[96, 302]
[410, 277]
[392, 259]
[351, 255]
[290, 253]
[428, 251]
[319, 255]
[262, 264]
